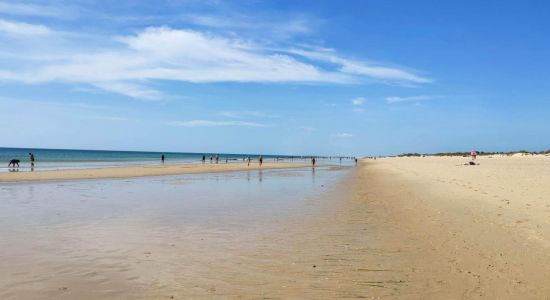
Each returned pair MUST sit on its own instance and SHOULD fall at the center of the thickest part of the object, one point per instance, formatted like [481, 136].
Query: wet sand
[197, 235]
[139, 171]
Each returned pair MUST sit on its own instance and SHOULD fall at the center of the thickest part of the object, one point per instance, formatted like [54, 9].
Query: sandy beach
[395, 228]
[463, 231]
[140, 171]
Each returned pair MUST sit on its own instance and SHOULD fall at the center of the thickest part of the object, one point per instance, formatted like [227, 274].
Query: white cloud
[375, 71]
[168, 54]
[393, 100]
[25, 9]
[272, 26]
[130, 89]
[358, 101]
[129, 65]
[210, 123]
[342, 135]
[24, 29]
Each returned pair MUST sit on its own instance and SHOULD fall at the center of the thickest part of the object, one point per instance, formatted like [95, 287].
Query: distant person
[355, 158]
[261, 160]
[473, 154]
[211, 158]
[248, 160]
[313, 161]
[340, 160]
[14, 162]
[162, 159]
[203, 159]
[31, 157]
[217, 158]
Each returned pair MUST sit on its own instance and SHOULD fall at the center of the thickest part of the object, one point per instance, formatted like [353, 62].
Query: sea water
[57, 159]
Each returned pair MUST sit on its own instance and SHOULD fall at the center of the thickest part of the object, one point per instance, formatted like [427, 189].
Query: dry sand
[462, 231]
[140, 171]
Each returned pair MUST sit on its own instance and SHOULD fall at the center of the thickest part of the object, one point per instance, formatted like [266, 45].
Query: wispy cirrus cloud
[395, 99]
[131, 90]
[211, 123]
[23, 29]
[300, 24]
[361, 68]
[164, 53]
[342, 135]
[129, 63]
[358, 101]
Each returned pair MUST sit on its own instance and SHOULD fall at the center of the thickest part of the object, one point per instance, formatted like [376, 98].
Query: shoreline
[134, 171]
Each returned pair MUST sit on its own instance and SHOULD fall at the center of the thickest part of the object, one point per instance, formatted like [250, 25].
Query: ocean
[56, 159]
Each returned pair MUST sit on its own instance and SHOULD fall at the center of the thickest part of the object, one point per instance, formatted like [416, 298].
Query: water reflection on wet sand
[188, 235]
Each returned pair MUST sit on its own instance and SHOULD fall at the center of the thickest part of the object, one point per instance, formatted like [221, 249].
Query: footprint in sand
[506, 200]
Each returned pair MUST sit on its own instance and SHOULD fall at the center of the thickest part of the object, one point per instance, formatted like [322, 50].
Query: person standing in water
[248, 160]
[31, 157]
[203, 158]
[313, 161]
[162, 159]
[217, 158]
[261, 159]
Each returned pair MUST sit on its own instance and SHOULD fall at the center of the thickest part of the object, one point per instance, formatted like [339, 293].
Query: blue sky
[288, 77]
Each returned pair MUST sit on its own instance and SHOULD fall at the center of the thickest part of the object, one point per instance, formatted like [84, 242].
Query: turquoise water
[67, 159]
[63, 155]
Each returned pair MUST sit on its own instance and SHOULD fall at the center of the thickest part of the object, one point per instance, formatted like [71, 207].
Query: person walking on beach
[248, 160]
[313, 161]
[203, 159]
[162, 159]
[31, 157]
[211, 158]
[261, 160]
[355, 158]
[217, 158]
